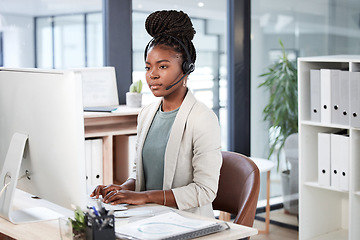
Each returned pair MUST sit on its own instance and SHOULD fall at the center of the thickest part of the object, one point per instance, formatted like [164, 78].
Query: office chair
[239, 187]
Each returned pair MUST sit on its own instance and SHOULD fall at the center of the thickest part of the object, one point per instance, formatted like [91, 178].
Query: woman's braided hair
[162, 24]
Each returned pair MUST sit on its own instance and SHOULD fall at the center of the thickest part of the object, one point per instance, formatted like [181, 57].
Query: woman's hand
[124, 196]
[104, 190]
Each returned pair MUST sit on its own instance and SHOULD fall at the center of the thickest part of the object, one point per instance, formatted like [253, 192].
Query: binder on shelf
[354, 99]
[344, 167]
[315, 106]
[326, 76]
[324, 159]
[94, 162]
[88, 165]
[344, 150]
[340, 99]
[340, 160]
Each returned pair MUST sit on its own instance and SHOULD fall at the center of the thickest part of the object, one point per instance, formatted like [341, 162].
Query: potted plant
[282, 108]
[78, 224]
[134, 96]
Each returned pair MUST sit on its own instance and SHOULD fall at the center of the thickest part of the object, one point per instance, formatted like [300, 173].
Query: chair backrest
[239, 187]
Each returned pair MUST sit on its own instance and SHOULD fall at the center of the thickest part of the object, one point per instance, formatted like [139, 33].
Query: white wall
[18, 40]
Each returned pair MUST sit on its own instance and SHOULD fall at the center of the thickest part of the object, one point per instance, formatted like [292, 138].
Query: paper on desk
[164, 226]
[134, 213]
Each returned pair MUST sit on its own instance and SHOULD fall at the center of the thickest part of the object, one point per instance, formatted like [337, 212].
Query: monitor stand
[8, 179]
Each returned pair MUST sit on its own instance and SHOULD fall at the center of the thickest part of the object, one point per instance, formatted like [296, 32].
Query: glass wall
[94, 40]
[69, 41]
[306, 28]
[69, 37]
[44, 43]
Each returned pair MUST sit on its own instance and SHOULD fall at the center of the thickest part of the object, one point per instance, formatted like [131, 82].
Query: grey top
[154, 148]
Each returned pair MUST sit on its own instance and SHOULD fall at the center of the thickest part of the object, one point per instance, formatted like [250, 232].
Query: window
[306, 28]
[69, 41]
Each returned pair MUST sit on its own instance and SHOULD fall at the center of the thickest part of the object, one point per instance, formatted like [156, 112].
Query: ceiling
[210, 8]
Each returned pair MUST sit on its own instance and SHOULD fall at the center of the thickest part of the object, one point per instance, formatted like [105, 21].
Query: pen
[97, 214]
[106, 222]
[95, 211]
[100, 207]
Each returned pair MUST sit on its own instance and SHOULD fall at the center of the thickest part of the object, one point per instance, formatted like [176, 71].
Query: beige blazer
[192, 156]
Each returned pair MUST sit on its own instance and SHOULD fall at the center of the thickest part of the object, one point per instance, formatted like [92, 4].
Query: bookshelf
[325, 212]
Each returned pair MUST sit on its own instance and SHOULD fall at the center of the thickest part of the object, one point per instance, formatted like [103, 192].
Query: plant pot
[133, 99]
[79, 234]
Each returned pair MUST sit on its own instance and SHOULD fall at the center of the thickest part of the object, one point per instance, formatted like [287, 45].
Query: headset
[188, 66]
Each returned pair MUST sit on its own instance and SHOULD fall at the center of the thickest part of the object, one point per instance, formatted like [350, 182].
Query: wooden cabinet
[114, 128]
[326, 212]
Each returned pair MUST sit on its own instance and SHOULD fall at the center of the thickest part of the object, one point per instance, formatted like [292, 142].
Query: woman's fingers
[110, 195]
[125, 196]
[110, 188]
[104, 190]
[97, 191]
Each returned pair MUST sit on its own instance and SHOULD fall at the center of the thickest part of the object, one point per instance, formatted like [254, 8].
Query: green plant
[136, 86]
[78, 223]
[282, 109]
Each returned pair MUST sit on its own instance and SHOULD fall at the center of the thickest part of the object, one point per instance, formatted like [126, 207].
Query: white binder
[96, 162]
[315, 95]
[88, 165]
[326, 76]
[324, 159]
[339, 161]
[340, 99]
[354, 99]
[344, 165]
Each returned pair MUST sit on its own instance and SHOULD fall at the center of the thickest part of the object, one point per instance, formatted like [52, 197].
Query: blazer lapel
[174, 142]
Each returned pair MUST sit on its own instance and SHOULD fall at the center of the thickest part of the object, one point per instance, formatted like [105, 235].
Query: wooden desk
[114, 128]
[50, 229]
[37, 230]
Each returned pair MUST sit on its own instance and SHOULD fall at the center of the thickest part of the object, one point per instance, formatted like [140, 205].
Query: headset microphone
[187, 73]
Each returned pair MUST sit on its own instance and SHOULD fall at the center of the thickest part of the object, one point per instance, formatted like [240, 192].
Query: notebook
[100, 109]
[170, 225]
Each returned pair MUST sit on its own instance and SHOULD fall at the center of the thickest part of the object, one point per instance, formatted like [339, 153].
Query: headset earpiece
[188, 67]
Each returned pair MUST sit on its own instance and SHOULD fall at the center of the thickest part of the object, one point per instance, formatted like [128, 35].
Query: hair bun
[170, 22]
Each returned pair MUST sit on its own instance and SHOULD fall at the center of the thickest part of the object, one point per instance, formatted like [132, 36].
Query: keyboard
[98, 203]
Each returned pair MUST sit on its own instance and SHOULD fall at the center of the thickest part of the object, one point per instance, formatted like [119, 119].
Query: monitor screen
[99, 86]
[44, 108]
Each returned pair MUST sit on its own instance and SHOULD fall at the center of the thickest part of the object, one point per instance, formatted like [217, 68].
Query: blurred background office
[69, 34]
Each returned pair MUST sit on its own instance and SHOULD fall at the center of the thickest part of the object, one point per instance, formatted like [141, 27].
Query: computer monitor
[41, 139]
[99, 86]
